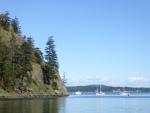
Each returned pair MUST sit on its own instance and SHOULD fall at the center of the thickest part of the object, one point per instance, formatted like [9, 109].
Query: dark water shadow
[53, 105]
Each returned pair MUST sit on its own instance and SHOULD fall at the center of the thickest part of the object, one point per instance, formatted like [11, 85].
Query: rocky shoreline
[31, 96]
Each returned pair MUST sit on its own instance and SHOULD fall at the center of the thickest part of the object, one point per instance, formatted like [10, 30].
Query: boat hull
[100, 93]
[77, 93]
[123, 94]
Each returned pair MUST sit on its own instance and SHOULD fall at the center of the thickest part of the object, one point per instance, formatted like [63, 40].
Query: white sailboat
[99, 93]
[124, 93]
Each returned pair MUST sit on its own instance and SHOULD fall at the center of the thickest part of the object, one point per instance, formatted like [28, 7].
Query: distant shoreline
[93, 88]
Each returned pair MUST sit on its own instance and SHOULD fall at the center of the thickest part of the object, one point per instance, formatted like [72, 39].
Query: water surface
[85, 103]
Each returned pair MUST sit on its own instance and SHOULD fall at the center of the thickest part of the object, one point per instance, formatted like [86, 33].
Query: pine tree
[25, 63]
[15, 25]
[5, 20]
[30, 41]
[51, 55]
[50, 68]
[39, 55]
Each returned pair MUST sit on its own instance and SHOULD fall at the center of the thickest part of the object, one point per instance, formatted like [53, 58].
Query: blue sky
[97, 41]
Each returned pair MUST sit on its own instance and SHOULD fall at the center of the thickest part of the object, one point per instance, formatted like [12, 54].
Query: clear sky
[97, 41]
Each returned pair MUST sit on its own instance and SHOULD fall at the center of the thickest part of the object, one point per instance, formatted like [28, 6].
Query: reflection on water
[32, 105]
[86, 103]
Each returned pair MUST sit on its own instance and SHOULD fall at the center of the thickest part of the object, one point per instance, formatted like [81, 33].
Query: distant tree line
[16, 60]
[93, 88]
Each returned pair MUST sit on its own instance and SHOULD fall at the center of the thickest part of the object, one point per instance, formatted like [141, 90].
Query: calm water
[86, 103]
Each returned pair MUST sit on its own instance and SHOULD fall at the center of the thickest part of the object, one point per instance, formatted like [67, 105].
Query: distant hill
[104, 88]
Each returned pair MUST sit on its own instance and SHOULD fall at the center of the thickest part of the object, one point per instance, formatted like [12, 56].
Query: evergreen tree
[30, 41]
[49, 75]
[25, 63]
[51, 55]
[7, 76]
[3, 56]
[5, 20]
[39, 55]
[50, 69]
[15, 25]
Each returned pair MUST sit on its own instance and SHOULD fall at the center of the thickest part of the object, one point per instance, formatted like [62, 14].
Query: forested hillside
[23, 70]
[104, 88]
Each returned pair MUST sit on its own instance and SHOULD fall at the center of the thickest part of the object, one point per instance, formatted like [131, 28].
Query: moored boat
[124, 94]
[77, 93]
[99, 93]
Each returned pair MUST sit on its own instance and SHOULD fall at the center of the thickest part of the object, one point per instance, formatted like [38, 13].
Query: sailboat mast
[100, 87]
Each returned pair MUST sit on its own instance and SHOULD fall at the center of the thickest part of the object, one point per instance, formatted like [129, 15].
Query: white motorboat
[77, 93]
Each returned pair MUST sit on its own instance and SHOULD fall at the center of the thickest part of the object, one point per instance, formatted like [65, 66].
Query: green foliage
[55, 86]
[30, 41]
[51, 55]
[16, 59]
[93, 88]
[15, 63]
[5, 20]
[8, 79]
[25, 61]
[26, 50]
[39, 55]
[3, 51]
[15, 25]
[50, 69]
[49, 75]
[3, 62]
[6, 67]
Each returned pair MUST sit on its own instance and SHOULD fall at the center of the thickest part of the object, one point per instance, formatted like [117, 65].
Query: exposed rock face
[37, 74]
[61, 88]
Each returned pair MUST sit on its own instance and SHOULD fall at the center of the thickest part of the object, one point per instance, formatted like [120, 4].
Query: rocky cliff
[32, 82]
